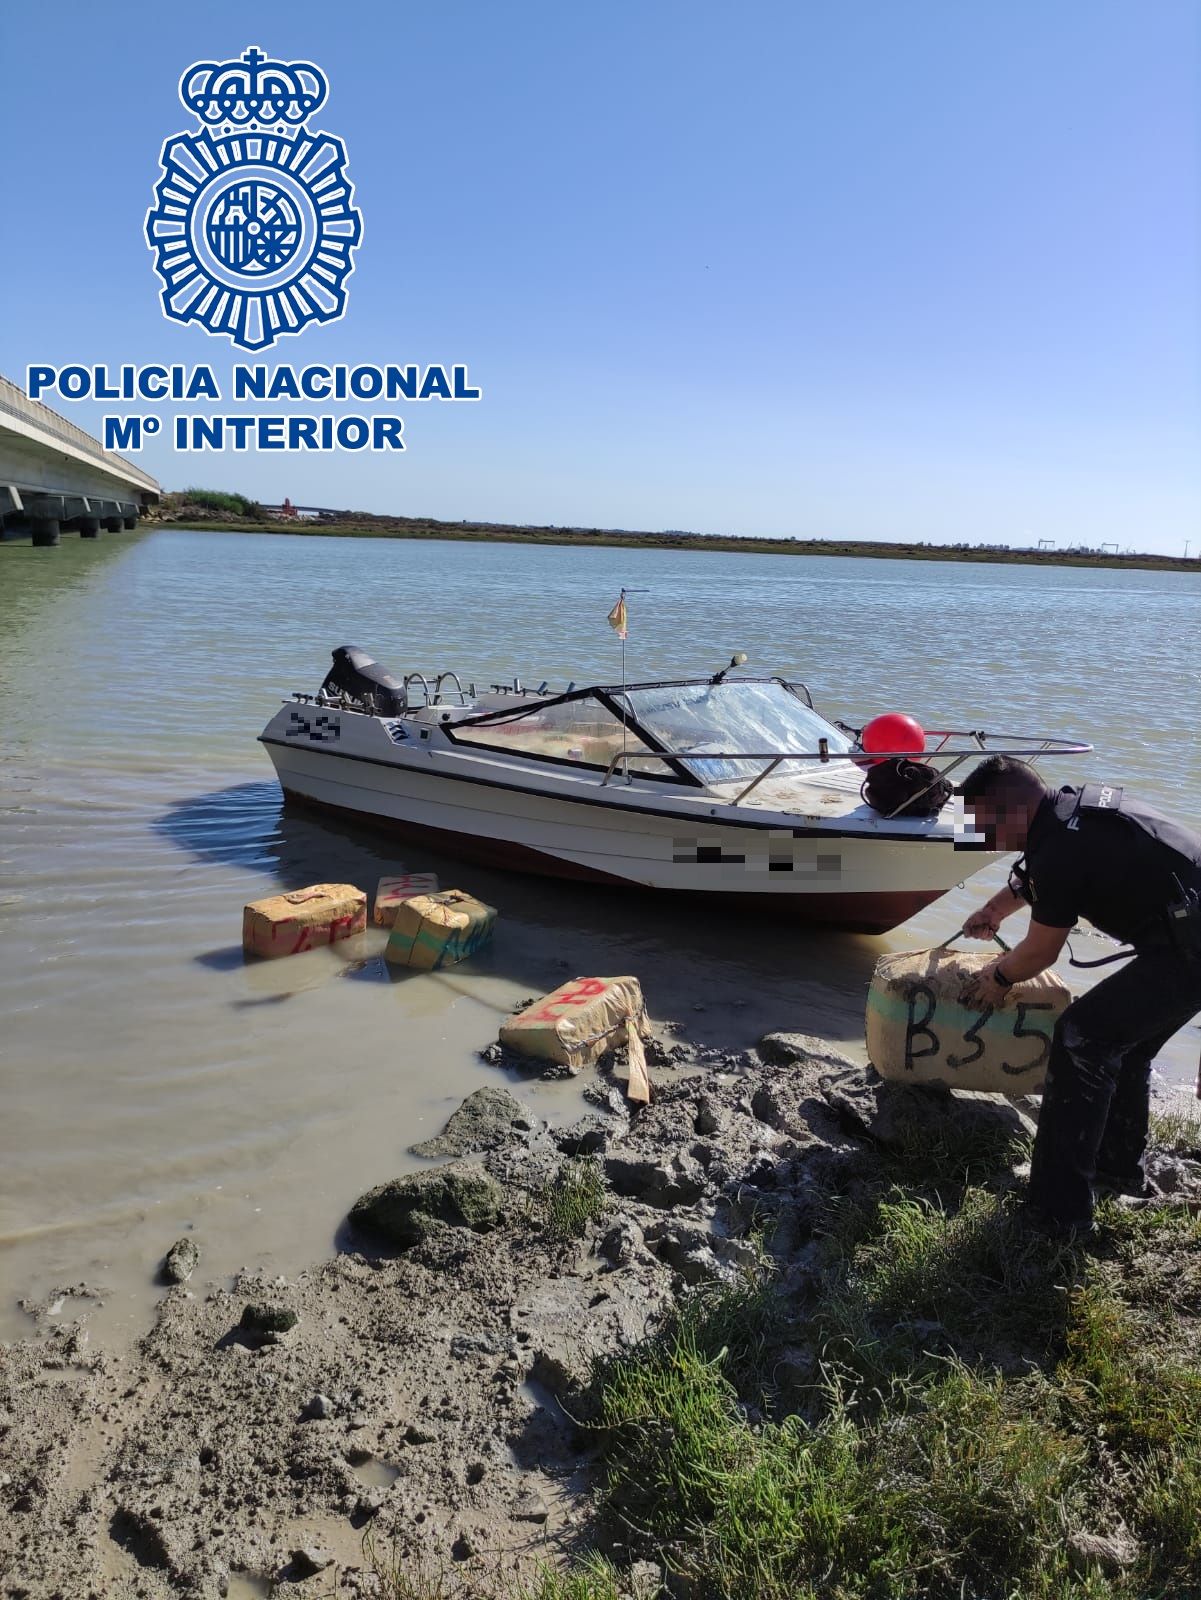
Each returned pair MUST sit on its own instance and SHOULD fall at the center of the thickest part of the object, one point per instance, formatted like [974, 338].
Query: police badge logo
[253, 228]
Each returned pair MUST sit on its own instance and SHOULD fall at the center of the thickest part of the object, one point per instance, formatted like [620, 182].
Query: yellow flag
[617, 617]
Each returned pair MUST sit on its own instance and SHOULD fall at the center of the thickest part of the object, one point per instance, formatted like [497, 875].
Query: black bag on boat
[911, 788]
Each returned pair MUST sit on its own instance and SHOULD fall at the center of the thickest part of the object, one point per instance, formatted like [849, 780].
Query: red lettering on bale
[587, 989]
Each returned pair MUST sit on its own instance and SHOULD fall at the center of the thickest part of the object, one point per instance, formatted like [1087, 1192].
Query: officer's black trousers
[1096, 1098]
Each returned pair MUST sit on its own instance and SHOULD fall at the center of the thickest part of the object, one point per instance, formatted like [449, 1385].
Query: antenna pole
[625, 762]
[625, 710]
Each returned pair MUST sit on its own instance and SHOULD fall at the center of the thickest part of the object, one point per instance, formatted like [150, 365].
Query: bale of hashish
[287, 924]
[919, 1029]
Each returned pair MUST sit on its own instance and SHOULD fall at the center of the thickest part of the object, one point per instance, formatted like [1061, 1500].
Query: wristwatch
[999, 977]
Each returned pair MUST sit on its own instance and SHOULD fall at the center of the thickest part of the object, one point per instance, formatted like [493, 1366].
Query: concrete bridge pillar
[89, 527]
[129, 522]
[113, 524]
[45, 513]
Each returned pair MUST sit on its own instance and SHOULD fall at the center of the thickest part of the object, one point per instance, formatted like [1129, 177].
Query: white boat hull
[867, 876]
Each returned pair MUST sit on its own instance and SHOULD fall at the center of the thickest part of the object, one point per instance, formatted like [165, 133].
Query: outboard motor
[355, 676]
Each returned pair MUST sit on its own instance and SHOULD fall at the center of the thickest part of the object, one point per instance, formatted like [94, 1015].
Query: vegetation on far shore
[218, 501]
[206, 510]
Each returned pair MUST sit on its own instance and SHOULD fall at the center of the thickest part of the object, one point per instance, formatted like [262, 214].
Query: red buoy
[893, 732]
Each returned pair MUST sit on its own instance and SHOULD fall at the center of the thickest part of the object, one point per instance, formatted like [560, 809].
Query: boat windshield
[761, 718]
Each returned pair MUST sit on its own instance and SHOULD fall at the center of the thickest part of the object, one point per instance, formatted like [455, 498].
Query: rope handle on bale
[997, 939]
[573, 1046]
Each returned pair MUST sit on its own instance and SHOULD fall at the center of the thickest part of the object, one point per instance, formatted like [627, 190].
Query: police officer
[1136, 875]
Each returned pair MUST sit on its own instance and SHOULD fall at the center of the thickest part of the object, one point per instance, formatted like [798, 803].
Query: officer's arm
[1037, 951]
[983, 924]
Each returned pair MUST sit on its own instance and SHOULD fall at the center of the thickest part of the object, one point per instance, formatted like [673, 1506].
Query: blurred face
[1003, 818]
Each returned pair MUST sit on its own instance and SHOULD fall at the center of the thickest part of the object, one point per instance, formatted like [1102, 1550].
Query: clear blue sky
[879, 270]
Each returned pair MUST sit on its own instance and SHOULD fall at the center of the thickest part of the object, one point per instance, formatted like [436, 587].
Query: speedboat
[730, 788]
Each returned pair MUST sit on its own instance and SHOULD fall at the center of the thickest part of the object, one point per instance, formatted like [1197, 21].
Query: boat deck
[819, 791]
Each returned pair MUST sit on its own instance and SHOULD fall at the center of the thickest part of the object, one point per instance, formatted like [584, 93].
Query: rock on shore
[408, 1210]
[181, 1261]
[485, 1120]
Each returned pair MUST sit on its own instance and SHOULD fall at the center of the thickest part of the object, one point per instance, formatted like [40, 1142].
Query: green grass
[1176, 1129]
[971, 1399]
[1116, 1367]
[952, 1482]
[951, 1153]
[908, 1282]
[574, 1198]
[977, 1395]
[398, 1577]
[594, 1578]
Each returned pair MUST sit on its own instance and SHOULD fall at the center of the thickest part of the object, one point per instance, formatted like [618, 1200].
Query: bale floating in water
[920, 1031]
[286, 924]
[436, 930]
[577, 1022]
[392, 892]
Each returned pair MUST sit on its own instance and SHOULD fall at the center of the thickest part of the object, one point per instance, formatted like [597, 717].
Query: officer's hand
[983, 990]
[982, 924]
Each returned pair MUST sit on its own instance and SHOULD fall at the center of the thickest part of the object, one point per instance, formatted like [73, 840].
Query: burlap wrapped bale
[392, 892]
[436, 930]
[577, 1022]
[920, 1031]
[286, 924]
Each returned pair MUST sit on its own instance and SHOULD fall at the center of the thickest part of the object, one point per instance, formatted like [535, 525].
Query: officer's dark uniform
[1136, 875]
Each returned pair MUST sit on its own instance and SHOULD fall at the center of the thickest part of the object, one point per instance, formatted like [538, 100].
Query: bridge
[53, 475]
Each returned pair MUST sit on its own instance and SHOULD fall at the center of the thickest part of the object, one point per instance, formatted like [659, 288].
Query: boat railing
[447, 690]
[1026, 747]
[417, 677]
[459, 690]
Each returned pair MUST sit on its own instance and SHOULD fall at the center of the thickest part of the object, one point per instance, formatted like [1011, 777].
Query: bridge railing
[17, 403]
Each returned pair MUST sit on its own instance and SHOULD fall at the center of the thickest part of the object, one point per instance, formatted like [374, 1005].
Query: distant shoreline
[502, 533]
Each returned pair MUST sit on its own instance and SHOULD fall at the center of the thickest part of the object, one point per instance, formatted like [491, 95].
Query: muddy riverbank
[420, 1408]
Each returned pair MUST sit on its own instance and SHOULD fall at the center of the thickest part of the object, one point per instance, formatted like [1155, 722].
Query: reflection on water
[251, 825]
[370, 1470]
[178, 1086]
[153, 1080]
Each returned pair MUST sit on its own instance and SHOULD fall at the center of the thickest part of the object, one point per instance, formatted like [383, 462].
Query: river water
[153, 1082]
